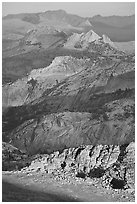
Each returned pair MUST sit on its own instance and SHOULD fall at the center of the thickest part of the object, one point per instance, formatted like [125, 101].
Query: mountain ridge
[64, 12]
[75, 20]
[69, 100]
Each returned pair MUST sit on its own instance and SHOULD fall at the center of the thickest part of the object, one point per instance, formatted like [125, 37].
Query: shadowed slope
[16, 193]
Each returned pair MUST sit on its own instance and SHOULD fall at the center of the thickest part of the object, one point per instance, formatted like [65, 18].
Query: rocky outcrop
[110, 165]
[92, 42]
[81, 41]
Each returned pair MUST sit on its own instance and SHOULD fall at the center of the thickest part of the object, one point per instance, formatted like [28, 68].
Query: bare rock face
[81, 41]
[104, 163]
[129, 161]
[109, 165]
[92, 42]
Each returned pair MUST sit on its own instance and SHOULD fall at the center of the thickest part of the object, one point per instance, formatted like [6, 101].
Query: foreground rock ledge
[111, 166]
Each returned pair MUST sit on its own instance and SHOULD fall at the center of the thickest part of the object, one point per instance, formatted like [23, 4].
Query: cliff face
[108, 165]
[111, 166]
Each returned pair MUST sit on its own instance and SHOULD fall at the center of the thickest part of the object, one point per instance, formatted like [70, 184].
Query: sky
[84, 9]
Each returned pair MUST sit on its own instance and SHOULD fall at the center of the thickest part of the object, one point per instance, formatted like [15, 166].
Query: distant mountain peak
[91, 36]
[91, 41]
[85, 23]
[82, 40]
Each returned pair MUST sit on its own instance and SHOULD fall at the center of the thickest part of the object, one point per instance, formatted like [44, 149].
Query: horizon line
[67, 13]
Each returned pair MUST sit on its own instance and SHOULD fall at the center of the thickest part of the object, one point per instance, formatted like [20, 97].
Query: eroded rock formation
[109, 165]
